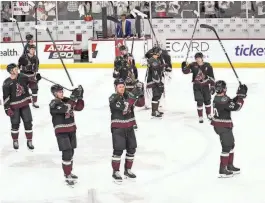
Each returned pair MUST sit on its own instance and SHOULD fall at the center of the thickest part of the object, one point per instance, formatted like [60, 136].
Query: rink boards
[248, 53]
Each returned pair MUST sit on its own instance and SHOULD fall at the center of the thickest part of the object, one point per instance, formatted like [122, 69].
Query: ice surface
[177, 158]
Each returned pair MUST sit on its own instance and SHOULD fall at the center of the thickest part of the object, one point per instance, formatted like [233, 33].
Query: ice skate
[30, 145]
[200, 119]
[117, 177]
[73, 176]
[156, 114]
[15, 145]
[69, 180]
[233, 169]
[128, 174]
[224, 173]
[35, 105]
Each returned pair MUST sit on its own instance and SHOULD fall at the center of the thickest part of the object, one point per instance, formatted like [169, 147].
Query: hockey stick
[197, 20]
[135, 12]
[55, 83]
[49, 32]
[14, 20]
[113, 19]
[213, 29]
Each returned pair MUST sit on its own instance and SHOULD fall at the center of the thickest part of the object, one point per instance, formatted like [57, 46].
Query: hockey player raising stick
[62, 111]
[165, 61]
[203, 83]
[223, 124]
[124, 67]
[155, 80]
[16, 103]
[29, 66]
[122, 122]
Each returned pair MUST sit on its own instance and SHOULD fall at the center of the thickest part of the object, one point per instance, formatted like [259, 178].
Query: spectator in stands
[50, 9]
[145, 8]
[122, 7]
[84, 9]
[188, 8]
[260, 11]
[174, 9]
[160, 8]
[124, 27]
[225, 9]
[6, 12]
[247, 5]
[209, 8]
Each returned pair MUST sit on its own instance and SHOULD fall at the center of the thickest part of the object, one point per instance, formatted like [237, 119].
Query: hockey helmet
[56, 88]
[198, 55]
[220, 86]
[29, 37]
[119, 81]
[157, 51]
[10, 67]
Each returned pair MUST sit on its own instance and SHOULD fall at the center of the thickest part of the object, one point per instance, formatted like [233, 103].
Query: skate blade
[236, 173]
[225, 176]
[71, 186]
[31, 150]
[118, 182]
[130, 179]
[158, 118]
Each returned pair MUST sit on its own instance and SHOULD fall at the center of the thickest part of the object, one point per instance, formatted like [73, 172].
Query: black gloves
[242, 91]
[77, 93]
[38, 77]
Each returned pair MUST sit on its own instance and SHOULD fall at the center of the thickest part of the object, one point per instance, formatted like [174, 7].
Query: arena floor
[177, 159]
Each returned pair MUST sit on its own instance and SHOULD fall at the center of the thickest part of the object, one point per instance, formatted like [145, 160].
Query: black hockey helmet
[157, 51]
[198, 55]
[29, 37]
[56, 88]
[10, 67]
[220, 86]
[119, 81]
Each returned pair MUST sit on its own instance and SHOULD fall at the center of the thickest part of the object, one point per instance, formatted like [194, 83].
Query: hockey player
[165, 60]
[29, 38]
[223, 124]
[62, 112]
[29, 65]
[203, 83]
[124, 67]
[16, 103]
[155, 80]
[122, 122]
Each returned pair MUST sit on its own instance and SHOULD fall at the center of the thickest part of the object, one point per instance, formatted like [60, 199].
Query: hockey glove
[212, 90]
[38, 77]
[75, 94]
[183, 64]
[81, 92]
[9, 112]
[242, 91]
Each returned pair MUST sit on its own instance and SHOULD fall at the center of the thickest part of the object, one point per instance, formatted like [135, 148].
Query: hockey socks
[115, 162]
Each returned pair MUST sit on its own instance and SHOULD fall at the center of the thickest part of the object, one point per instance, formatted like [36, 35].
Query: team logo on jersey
[19, 90]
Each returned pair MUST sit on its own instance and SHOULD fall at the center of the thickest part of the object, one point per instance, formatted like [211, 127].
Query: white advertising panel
[10, 52]
[239, 51]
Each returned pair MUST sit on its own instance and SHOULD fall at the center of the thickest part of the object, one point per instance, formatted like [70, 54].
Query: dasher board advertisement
[10, 52]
